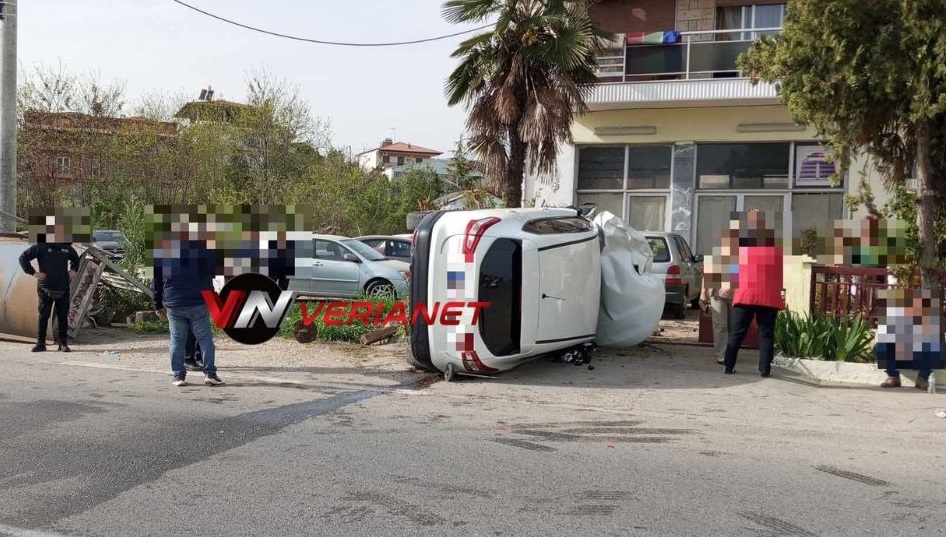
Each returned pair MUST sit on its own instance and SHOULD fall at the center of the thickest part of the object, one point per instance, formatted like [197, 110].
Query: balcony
[699, 68]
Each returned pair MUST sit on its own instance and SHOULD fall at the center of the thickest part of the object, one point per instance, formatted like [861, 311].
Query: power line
[322, 42]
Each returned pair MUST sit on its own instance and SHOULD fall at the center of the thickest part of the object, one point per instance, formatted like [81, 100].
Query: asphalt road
[658, 444]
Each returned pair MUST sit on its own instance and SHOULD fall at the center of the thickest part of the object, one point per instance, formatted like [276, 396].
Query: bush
[824, 337]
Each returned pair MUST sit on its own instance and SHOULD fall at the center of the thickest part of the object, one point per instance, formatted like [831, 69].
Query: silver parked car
[109, 240]
[390, 246]
[681, 270]
[343, 267]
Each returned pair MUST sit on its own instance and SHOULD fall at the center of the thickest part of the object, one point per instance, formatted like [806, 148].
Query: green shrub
[150, 327]
[824, 337]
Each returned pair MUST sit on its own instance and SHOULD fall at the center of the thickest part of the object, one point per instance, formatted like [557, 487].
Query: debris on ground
[578, 355]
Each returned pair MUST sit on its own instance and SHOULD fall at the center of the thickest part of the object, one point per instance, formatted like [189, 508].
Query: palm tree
[523, 81]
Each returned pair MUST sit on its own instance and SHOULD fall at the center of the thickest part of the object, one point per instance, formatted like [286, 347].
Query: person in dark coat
[179, 281]
[58, 264]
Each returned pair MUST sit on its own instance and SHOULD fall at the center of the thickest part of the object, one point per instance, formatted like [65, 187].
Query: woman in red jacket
[758, 292]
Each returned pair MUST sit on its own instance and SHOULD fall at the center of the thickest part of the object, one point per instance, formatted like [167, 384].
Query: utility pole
[8, 14]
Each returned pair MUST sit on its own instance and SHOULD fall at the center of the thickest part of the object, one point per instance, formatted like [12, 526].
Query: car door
[332, 274]
[692, 272]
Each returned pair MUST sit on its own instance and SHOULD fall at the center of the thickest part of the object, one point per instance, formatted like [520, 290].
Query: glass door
[712, 217]
[714, 210]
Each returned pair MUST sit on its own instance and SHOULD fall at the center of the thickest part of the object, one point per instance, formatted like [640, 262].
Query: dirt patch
[679, 332]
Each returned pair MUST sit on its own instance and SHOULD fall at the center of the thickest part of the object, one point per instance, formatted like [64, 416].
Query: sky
[365, 93]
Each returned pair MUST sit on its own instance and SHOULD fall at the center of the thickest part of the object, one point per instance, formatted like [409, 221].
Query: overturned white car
[521, 282]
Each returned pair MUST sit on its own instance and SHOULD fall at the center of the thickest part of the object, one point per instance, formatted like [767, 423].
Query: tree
[460, 172]
[870, 76]
[523, 81]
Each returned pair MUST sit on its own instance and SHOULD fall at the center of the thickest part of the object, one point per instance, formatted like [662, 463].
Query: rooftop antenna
[394, 134]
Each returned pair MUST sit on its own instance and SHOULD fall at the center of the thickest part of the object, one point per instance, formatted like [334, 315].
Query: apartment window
[630, 181]
[400, 161]
[63, 163]
[96, 170]
[742, 166]
[386, 159]
[748, 17]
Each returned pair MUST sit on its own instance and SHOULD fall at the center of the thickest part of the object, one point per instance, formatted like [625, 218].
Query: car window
[329, 250]
[363, 250]
[684, 248]
[399, 248]
[660, 248]
[108, 236]
[550, 226]
[374, 243]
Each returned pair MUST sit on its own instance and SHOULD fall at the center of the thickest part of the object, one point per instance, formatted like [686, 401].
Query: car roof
[330, 237]
[398, 237]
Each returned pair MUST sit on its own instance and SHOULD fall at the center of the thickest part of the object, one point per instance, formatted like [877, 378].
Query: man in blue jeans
[181, 274]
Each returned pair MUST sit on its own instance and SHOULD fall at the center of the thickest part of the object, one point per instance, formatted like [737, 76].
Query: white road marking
[13, 531]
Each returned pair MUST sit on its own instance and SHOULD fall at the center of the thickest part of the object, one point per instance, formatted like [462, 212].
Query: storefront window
[742, 166]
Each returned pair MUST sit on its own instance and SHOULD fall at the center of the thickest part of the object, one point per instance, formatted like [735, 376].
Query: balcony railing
[696, 56]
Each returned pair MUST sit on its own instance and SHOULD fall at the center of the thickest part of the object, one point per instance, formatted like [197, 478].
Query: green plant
[823, 337]
[150, 327]
[852, 340]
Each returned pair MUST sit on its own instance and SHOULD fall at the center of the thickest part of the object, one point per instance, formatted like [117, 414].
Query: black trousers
[742, 316]
[46, 304]
[191, 349]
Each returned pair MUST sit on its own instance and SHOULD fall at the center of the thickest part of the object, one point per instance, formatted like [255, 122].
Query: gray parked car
[110, 240]
[390, 246]
[344, 267]
[681, 270]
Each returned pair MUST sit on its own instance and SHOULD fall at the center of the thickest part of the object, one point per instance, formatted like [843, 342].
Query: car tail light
[673, 275]
[474, 232]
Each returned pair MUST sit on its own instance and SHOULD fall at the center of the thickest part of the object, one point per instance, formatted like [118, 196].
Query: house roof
[78, 122]
[401, 147]
[438, 166]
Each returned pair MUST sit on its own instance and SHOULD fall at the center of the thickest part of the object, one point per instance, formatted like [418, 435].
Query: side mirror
[698, 258]
[351, 257]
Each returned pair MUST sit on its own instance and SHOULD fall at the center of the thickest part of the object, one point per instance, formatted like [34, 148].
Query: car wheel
[380, 289]
[413, 362]
[449, 373]
[414, 218]
[695, 303]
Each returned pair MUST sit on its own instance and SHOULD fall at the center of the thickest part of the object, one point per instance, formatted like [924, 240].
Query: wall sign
[813, 166]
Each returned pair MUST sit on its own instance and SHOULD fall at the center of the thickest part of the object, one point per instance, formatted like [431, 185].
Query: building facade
[390, 155]
[677, 138]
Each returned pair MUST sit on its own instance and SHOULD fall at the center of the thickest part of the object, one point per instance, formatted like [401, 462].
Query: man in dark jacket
[58, 263]
[179, 282]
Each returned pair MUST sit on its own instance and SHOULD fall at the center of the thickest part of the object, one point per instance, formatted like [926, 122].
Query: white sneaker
[179, 381]
[212, 380]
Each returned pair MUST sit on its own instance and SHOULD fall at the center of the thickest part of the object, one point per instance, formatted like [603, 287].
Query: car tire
[414, 218]
[695, 303]
[413, 362]
[376, 289]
